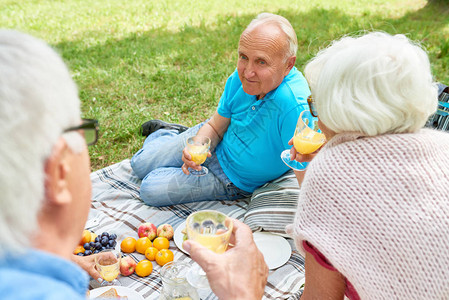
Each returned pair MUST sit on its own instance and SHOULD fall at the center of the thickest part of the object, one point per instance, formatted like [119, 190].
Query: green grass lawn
[139, 60]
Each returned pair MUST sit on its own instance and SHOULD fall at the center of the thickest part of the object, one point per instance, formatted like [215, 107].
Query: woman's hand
[295, 155]
[88, 264]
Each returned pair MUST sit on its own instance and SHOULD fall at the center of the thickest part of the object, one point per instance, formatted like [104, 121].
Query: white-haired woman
[373, 214]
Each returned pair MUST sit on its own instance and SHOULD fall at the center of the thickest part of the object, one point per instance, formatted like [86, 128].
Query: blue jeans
[164, 183]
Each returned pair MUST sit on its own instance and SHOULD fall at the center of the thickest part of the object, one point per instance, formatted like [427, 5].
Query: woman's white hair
[283, 24]
[38, 100]
[373, 84]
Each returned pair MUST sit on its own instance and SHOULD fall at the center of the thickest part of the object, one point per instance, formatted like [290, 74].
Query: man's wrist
[244, 294]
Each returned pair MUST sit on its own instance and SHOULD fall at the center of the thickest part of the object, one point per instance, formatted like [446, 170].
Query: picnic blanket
[117, 208]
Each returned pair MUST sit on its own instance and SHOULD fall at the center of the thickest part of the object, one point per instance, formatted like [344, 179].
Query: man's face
[262, 65]
[68, 191]
[80, 186]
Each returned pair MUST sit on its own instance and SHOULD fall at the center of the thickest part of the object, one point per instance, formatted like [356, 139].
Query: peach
[86, 237]
[148, 230]
[166, 231]
[127, 266]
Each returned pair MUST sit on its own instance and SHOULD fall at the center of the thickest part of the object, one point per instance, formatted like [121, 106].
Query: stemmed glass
[108, 265]
[211, 229]
[198, 147]
[307, 139]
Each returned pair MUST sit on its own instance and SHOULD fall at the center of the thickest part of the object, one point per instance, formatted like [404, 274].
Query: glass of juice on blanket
[306, 140]
[198, 148]
[211, 229]
[108, 265]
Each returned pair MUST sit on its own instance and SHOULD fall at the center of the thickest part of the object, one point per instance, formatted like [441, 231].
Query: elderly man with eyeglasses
[44, 176]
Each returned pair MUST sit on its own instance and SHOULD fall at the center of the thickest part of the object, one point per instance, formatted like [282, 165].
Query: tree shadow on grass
[158, 55]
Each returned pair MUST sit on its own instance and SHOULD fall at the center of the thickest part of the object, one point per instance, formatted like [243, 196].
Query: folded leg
[170, 186]
[162, 148]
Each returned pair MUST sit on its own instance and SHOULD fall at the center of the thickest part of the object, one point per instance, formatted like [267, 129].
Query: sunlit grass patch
[139, 60]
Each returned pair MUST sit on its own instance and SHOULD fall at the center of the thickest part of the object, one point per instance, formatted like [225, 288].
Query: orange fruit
[144, 268]
[150, 253]
[164, 256]
[78, 249]
[92, 237]
[142, 244]
[128, 245]
[85, 237]
[161, 243]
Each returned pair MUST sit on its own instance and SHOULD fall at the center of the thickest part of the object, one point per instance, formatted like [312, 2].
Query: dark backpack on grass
[440, 120]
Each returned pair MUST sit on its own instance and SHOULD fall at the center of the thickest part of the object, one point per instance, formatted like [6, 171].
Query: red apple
[166, 231]
[127, 266]
[147, 229]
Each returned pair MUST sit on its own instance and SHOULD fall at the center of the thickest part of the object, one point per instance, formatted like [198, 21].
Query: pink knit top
[377, 208]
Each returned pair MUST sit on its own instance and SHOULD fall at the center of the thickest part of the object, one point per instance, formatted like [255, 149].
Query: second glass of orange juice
[198, 147]
[306, 140]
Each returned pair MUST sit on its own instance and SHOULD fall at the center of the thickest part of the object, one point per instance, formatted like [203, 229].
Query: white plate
[121, 290]
[178, 237]
[275, 249]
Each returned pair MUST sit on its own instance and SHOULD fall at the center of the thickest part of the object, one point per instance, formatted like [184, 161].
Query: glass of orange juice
[108, 265]
[306, 140]
[212, 229]
[198, 147]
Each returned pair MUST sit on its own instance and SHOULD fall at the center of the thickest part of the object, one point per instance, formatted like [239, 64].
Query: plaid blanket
[117, 208]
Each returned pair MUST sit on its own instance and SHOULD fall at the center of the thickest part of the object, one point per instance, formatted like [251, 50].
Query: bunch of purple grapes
[102, 242]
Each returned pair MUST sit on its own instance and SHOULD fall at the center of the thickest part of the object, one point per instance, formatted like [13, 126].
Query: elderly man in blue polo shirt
[254, 121]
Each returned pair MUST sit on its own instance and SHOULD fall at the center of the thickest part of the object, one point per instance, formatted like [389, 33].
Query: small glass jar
[174, 282]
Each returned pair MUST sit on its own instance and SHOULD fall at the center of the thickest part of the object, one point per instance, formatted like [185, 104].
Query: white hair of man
[283, 24]
[38, 101]
[373, 84]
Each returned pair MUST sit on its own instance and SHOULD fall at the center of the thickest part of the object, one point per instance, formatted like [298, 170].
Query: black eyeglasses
[312, 108]
[90, 129]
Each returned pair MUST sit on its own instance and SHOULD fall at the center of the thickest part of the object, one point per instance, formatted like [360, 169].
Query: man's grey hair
[283, 24]
[38, 100]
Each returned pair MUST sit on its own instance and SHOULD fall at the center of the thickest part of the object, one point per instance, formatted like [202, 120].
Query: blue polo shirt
[259, 130]
[39, 275]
